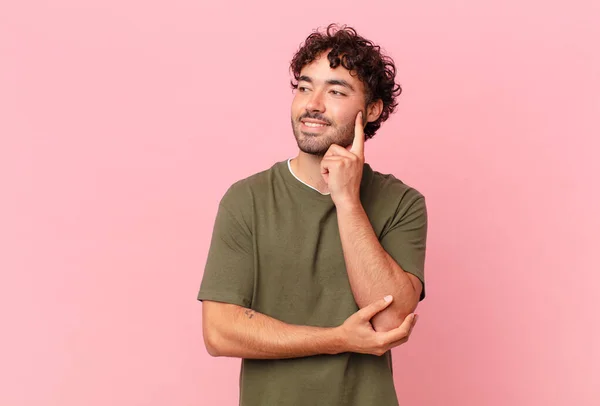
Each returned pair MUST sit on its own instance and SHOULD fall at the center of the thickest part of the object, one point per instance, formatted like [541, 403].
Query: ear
[374, 111]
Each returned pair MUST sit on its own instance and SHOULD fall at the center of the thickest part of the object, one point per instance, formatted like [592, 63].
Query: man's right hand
[359, 336]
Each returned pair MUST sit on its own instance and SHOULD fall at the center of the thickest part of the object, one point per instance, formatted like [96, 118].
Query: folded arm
[234, 331]
[372, 272]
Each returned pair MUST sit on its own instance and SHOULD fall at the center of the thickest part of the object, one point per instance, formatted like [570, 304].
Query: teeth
[313, 124]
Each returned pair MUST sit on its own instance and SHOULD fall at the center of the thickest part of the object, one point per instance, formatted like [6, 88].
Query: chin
[317, 150]
[314, 153]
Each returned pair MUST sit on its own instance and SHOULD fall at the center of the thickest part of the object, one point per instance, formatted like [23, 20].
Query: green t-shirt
[276, 249]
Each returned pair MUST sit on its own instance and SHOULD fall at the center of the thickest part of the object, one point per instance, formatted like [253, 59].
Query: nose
[315, 102]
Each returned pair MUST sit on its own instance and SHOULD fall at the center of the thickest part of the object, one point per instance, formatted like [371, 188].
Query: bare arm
[234, 331]
[372, 272]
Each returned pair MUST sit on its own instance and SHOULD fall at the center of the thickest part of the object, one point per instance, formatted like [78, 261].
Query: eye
[302, 89]
[336, 93]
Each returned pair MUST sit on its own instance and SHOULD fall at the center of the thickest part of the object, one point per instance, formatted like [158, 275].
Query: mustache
[314, 116]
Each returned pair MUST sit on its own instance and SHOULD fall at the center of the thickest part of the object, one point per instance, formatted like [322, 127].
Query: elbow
[391, 318]
[212, 350]
[216, 332]
[383, 323]
[212, 341]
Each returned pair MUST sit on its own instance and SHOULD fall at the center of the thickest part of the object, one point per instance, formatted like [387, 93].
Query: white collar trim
[300, 180]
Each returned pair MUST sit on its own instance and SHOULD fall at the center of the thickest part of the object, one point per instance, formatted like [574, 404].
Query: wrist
[347, 203]
[337, 341]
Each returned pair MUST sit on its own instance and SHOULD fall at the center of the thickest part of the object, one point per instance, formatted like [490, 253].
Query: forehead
[320, 72]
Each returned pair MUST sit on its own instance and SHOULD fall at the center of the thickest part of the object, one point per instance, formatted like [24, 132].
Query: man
[316, 265]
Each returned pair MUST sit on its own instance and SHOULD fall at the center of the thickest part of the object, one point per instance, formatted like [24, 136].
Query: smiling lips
[311, 123]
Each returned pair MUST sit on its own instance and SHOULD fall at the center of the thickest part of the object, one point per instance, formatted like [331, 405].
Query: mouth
[313, 125]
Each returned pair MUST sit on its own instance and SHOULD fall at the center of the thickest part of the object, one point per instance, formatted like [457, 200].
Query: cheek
[345, 117]
[344, 111]
[296, 105]
[351, 111]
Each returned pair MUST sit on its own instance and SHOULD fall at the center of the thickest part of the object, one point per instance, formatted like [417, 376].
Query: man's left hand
[342, 168]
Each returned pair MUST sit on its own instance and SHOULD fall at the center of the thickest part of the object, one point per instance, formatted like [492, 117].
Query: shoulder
[245, 188]
[390, 202]
[388, 188]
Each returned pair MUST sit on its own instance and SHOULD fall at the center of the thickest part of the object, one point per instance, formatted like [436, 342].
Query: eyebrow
[331, 82]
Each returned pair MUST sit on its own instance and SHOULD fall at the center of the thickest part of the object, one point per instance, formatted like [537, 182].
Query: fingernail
[388, 298]
[415, 318]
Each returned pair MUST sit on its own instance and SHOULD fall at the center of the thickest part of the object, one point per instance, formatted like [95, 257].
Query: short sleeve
[405, 238]
[229, 272]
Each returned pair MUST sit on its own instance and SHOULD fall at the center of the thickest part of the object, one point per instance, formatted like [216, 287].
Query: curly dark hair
[361, 57]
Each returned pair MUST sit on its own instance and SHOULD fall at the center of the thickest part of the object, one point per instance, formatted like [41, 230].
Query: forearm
[372, 272]
[236, 331]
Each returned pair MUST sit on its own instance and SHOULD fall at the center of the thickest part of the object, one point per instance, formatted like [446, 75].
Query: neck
[307, 167]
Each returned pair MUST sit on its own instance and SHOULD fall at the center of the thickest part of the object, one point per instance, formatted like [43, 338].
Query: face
[325, 106]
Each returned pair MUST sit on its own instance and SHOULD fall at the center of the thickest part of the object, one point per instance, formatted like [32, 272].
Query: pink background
[123, 123]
